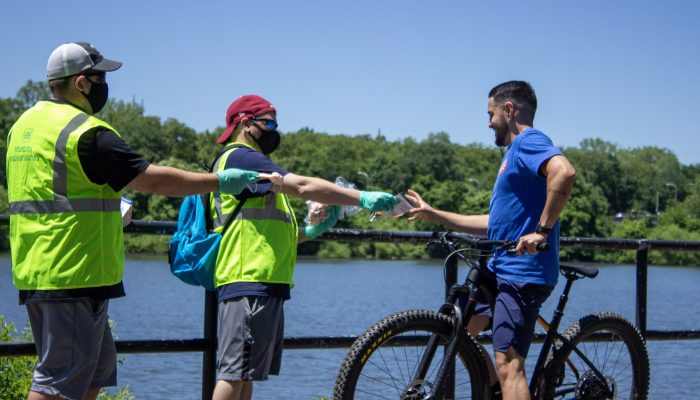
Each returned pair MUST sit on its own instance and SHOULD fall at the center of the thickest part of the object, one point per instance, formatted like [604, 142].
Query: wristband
[542, 229]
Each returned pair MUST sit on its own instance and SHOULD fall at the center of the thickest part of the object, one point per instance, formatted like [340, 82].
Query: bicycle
[398, 356]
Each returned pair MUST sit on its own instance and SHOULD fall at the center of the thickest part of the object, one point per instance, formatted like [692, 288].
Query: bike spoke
[611, 349]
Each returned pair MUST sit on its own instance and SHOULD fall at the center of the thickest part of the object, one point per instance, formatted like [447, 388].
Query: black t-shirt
[106, 159]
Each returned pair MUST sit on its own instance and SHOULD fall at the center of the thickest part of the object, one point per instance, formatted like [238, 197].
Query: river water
[342, 298]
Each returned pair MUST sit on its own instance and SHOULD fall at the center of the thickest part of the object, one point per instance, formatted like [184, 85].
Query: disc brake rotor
[591, 387]
[416, 390]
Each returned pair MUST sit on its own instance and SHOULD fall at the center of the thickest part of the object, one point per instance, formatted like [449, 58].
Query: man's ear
[509, 110]
[245, 123]
[80, 83]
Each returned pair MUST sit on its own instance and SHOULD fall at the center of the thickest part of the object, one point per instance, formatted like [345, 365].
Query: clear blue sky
[623, 71]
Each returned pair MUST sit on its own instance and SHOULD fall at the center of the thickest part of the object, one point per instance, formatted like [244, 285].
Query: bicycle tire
[614, 346]
[380, 362]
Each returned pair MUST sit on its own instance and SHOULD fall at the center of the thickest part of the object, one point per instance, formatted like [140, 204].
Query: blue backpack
[193, 249]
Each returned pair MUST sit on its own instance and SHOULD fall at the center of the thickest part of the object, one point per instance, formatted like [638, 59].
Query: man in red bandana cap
[258, 249]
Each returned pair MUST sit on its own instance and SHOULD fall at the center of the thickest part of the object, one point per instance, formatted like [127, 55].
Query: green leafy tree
[181, 142]
[673, 232]
[650, 168]
[15, 372]
[32, 92]
[450, 176]
[143, 133]
[4, 229]
[10, 110]
[586, 214]
[394, 168]
[607, 174]
[691, 203]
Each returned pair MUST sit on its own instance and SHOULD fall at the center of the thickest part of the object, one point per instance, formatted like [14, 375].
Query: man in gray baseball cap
[66, 170]
[72, 58]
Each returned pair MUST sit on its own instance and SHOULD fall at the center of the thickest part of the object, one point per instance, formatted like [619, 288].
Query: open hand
[422, 210]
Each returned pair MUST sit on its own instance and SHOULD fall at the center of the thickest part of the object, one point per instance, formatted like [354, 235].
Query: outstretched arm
[323, 191]
[472, 224]
[317, 189]
[169, 181]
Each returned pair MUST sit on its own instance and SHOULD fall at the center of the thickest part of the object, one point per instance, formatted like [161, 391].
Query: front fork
[446, 368]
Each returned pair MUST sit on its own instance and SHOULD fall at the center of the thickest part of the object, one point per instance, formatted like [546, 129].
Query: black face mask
[268, 142]
[98, 96]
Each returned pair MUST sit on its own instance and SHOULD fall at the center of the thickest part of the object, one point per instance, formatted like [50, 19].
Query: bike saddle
[588, 272]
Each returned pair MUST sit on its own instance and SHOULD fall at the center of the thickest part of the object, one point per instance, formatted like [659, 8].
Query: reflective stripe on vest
[260, 245]
[65, 230]
[269, 212]
[61, 203]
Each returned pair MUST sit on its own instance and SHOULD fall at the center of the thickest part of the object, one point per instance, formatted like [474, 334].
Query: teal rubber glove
[234, 180]
[314, 231]
[377, 201]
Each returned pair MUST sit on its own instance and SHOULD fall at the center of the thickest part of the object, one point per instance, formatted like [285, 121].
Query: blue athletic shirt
[518, 199]
[248, 158]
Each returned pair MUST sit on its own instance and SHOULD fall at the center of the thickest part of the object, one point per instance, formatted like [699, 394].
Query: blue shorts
[514, 313]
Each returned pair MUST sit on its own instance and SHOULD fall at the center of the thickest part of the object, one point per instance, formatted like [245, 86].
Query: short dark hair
[59, 85]
[519, 92]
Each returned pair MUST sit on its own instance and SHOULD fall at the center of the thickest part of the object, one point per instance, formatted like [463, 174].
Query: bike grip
[540, 247]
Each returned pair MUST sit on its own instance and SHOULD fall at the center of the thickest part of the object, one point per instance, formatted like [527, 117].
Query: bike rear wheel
[616, 349]
[382, 362]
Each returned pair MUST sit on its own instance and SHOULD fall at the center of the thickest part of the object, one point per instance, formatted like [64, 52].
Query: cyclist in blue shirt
[533, 185]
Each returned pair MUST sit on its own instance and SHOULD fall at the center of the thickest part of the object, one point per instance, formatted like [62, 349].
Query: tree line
[642, 192]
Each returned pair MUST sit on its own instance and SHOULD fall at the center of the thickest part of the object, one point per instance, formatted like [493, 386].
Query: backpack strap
[206, 198]
[222, 151]
[207, 213]
[232, 216]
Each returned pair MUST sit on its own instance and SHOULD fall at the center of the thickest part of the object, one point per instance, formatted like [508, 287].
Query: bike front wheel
[602, 356]
[382, 363]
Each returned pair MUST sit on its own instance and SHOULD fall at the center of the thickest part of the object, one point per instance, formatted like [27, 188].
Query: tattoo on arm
[558, 192]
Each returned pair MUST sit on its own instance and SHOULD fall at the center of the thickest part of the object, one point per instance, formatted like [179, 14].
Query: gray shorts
[75, 347]
[251, 337]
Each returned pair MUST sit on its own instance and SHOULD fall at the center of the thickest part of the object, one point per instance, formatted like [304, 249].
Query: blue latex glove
[234, 180]
[314, 231]
[377, 201]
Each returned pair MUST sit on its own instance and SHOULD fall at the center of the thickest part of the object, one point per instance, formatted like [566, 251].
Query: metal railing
[207, 344]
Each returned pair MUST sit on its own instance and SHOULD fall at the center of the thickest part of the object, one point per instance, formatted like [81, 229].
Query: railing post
[210, 337]
[450, 274]
[450, 280]
[642, 268]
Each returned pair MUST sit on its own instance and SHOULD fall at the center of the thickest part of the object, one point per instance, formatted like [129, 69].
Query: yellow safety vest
[260, 244]
[65, 231]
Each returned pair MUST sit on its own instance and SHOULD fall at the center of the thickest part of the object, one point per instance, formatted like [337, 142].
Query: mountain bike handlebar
[481, 243]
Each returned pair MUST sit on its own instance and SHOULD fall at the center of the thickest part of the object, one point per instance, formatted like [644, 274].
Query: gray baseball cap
[73, 58]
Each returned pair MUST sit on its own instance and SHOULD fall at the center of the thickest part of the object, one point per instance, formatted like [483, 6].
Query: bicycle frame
[552, 330]
[473, 287]
[470, 287]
